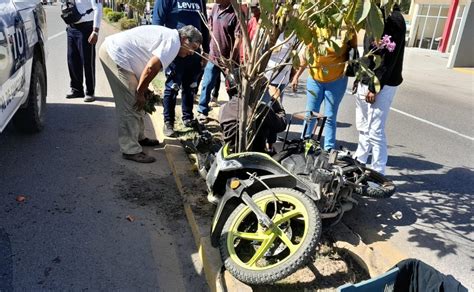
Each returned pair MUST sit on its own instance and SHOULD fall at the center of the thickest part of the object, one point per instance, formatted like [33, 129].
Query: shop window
[428, 32]
[424, 10]
[444, 11]
[438, 33]
[434, 10]
[430, 25]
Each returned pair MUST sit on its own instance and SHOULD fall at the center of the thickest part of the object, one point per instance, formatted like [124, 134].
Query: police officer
[183, 73]
[81, 39]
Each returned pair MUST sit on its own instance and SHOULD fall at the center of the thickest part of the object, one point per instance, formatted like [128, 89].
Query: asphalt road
[72, 231]
[431, 141]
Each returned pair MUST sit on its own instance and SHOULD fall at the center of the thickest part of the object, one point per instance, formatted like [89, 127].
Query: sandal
[149, 142]
[141, 157]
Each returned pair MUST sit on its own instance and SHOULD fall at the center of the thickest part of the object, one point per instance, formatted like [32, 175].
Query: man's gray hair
[191, 33]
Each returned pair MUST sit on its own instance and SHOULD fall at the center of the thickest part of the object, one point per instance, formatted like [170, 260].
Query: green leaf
[267, 6]
[336, 18]
[300, 27]
[376, 83]
[313, 93]
[362, 9]
[309, 55]
[335, 47]
[377, 61]
[295, 59]
[349, 16]
[266, 10]
[375, 23]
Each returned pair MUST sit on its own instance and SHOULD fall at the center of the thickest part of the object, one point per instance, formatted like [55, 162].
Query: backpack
[70, 14]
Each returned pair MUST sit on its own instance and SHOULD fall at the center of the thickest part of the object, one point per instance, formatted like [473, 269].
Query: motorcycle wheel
[256, 256]
[376, 185]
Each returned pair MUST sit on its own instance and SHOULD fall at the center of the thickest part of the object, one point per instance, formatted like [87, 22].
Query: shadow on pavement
[429, 198]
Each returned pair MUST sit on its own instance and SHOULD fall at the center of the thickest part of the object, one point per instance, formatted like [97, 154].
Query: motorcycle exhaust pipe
[344, 208]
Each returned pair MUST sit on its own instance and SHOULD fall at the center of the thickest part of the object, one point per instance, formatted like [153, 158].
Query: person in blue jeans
[210, 78]
[331, 93]
[326, 82]
[184, 73]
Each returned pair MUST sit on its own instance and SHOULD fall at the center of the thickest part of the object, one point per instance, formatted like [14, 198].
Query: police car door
[13, 58]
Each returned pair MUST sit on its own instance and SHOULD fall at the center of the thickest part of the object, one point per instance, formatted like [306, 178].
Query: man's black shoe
[189, 123]
[168, 130]
[149, 142]
[141, 157]
[74, 95]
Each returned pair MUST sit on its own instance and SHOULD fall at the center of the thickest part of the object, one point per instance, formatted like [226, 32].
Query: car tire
[30, 119]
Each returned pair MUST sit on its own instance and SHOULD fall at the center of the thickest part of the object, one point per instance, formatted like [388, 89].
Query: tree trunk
[244, 105]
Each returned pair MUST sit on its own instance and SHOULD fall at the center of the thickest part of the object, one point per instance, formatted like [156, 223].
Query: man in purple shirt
[225, 43]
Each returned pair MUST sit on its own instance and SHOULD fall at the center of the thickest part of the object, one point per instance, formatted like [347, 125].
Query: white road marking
[432, 124]
[56, 35]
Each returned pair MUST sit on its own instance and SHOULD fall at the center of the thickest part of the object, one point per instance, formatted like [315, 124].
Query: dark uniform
[81, 52]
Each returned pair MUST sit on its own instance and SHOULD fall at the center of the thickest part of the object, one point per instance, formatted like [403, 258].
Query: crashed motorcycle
[269, 211]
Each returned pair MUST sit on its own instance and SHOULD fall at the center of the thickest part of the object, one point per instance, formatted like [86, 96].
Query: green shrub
[106, 11]
[114, 16]
[127, 23]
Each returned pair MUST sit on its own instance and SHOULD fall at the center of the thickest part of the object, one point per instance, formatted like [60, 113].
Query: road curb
[200, 224]
[194, 200]
[375, 259]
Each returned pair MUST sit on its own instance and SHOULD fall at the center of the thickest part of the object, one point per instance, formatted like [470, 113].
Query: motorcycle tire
[256, 256]
[376, 185]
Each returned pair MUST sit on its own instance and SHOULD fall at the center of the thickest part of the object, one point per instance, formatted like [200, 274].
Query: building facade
[442, 25]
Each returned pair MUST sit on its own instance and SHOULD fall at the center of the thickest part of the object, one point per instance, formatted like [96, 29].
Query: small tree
[300, 19]
[139, 6]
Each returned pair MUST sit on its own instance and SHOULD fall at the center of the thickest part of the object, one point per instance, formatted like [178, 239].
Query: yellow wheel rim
[267, 238]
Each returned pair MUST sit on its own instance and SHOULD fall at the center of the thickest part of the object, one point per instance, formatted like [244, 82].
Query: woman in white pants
[372, 107]
[370, 122]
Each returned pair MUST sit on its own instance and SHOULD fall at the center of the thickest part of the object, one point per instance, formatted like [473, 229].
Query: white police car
[22, 64]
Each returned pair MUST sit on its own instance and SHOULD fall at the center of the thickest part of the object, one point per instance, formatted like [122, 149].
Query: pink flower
[386, 40]
[391, 47]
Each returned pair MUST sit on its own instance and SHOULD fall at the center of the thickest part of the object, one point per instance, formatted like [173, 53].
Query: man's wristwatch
[94, 32]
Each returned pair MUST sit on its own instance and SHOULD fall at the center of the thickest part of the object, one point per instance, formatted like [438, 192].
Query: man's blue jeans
[183, 72]
[332, 94]
[211, 73]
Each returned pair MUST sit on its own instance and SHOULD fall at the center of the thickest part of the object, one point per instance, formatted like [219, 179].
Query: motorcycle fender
[229, 201]
[272, 181]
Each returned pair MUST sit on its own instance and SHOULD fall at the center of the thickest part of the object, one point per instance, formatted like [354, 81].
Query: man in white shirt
[131, 59]
[81, 39]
